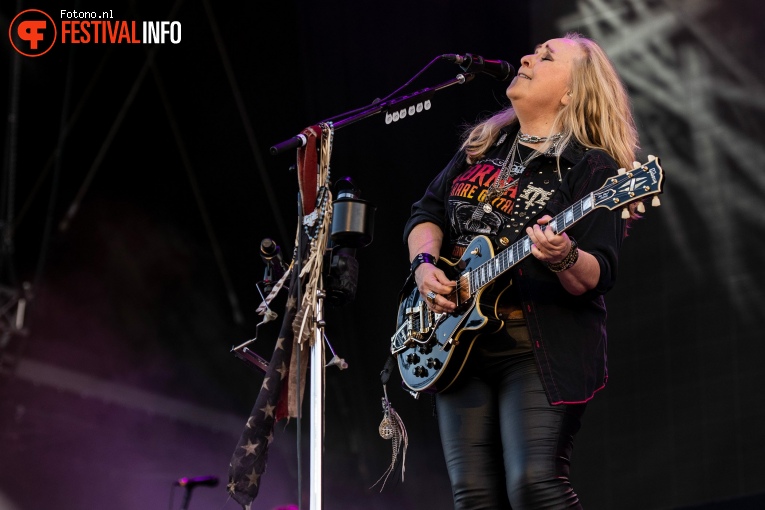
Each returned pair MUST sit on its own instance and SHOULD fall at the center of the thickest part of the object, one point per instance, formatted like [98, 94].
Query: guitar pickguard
[431, 348]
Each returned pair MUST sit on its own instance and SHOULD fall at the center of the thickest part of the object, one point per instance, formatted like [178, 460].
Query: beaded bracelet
[568, 261]
[422, 258]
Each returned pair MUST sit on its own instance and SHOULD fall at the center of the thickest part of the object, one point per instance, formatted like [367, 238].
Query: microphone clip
[470, 63]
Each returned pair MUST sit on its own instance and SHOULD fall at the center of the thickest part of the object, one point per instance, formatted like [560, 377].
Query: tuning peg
[651, 157]
[621, 171]
[625, 214]
[636, 165]
[655, 202]
[640, 207]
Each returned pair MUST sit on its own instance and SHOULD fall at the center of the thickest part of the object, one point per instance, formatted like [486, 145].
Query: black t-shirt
[465, 207]
[468, 218]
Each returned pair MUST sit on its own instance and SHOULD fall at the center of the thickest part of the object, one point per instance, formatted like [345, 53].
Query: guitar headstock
[630, 185]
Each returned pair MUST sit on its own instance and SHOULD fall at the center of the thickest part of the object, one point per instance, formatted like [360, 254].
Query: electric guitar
[432, 348]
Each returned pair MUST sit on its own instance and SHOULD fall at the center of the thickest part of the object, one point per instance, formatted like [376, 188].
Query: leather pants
[505, 446]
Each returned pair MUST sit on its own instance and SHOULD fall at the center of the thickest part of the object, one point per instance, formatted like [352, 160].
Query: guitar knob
[421, 371]
[434, 363]
[412, 358]
[426, 349]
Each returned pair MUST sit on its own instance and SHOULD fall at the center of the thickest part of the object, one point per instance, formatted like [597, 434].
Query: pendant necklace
[512, 169]
[502, 182]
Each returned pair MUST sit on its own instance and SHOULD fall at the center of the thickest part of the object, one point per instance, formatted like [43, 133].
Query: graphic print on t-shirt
[468, 191]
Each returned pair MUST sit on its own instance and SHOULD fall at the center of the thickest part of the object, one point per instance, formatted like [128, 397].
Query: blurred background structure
[137, 187]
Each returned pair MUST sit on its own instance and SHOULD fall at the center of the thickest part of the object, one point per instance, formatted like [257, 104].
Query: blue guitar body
[439, 344]
[431, 348]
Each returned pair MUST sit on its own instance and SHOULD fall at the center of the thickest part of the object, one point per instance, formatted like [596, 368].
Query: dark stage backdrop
[681, 420]
[123, 381]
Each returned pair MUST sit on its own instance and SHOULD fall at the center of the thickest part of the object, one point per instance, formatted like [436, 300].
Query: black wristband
[422, 258]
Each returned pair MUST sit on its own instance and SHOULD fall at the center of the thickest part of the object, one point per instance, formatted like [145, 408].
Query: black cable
[376, 101]
[57, 158]
[217, 252]
[95, 166]
[74, 206]
[7, 202]
[390, 364]
[246, 123]
[71, 122]
[299, 268]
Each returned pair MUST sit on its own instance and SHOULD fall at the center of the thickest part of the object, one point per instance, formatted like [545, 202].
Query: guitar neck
[490, 270]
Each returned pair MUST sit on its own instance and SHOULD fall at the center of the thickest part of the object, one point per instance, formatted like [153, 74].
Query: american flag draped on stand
[249, 460]
[280, 394]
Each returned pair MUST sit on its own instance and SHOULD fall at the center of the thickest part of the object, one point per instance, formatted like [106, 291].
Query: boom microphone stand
[395, 109]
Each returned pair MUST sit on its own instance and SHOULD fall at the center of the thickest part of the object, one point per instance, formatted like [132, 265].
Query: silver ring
[431, 296]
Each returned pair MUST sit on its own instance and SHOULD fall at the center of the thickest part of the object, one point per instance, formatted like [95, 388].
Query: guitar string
[558, 223]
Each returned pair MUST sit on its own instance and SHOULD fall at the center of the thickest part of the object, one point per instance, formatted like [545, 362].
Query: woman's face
[544, 78]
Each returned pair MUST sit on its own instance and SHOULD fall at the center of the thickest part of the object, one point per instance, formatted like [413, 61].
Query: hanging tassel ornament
[392, 428]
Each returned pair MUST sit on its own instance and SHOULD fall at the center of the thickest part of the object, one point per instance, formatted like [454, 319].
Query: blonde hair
[599, 115]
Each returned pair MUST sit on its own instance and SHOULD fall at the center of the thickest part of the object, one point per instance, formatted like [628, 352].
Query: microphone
[190, 483]
[272, 257]
[469, 63]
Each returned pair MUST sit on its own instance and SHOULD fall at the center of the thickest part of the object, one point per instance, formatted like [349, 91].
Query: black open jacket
[568, 333]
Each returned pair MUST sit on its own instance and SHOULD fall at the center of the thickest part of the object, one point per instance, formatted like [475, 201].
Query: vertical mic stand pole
[317, 402]
[186, 498]
[399, 104]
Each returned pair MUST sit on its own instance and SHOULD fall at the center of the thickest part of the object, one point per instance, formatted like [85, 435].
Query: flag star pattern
[250, 457]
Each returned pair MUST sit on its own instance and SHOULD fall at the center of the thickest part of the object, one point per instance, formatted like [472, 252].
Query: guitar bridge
[417, 328]
[420, 320]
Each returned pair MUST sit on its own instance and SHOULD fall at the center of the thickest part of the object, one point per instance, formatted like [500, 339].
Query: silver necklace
[528, 160]
[512, 169]
[551, 149]
[538, 139]
[502, 182]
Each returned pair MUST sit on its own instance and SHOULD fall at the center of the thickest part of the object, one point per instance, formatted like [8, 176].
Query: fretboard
[494, 267]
